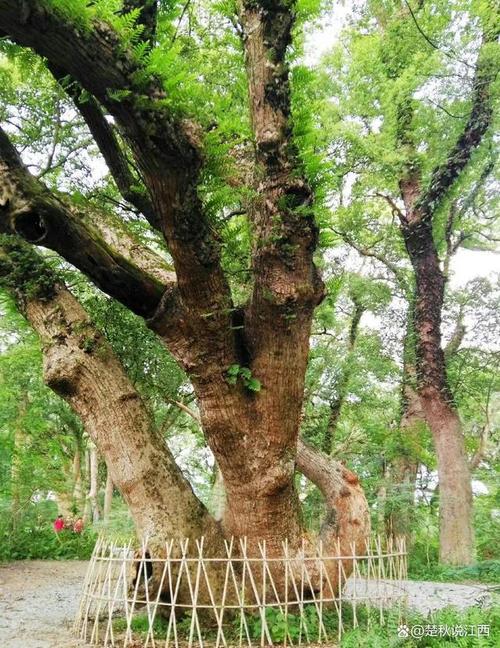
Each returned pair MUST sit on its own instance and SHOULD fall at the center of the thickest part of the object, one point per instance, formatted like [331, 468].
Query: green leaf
[253, 385]
[233, 370]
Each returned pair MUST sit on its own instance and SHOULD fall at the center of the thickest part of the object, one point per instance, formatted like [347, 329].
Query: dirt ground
[38, 603]
[39, 600]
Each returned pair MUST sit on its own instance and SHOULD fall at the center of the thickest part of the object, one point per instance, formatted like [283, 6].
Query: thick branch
[285, 234]
[96, 242]
[476, 126]
[348, 517]
[80, 367]
[166, 148]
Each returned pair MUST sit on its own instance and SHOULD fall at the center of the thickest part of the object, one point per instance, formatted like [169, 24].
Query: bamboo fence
[246, 610]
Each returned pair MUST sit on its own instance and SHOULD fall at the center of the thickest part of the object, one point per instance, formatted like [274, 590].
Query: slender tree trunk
[93, 493]
[17, 453]
[381, 503]
[108, 497]
[403, 468]
[343, 384]
[77, 478]
[400, 515]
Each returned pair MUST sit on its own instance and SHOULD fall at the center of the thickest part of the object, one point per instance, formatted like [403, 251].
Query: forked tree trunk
[253, 433]
[80, 367]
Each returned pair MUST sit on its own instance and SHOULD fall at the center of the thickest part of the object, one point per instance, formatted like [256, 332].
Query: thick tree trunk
[436, 401]
[80, 367]
[252, 433]
[455, 492]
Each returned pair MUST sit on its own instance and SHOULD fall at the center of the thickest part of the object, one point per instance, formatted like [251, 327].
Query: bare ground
[38, 603]
[39, 600]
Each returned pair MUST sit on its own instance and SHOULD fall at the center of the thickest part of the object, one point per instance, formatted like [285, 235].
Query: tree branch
[80, 367]
[456, 339]
[285, 234]
[348, 519]
[105, 138]
[395, 209]
[167, 149]
[96, 242]
[480, 118]
[367, 252]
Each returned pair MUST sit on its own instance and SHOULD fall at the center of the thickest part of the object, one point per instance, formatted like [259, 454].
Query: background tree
[395, 143]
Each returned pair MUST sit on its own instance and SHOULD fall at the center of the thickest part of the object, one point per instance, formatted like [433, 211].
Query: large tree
[246, 359]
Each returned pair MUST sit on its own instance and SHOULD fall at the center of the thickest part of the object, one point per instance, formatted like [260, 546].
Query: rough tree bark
[80, 367]
[252, 435]
[455, 510]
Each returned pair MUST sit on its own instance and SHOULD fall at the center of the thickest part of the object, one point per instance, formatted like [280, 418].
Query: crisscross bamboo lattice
[258, 600]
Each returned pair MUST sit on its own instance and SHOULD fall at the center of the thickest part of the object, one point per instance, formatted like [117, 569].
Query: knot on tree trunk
[61, 370]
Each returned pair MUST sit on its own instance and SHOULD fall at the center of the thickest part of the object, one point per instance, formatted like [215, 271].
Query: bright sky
[469, 264]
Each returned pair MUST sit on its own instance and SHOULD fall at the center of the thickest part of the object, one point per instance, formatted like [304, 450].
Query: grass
[369, 634]
[484, 571]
